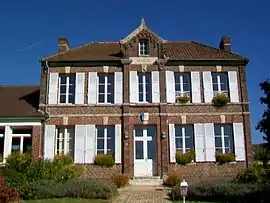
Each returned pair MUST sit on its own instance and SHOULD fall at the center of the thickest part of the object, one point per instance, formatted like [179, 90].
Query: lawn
[65, 200]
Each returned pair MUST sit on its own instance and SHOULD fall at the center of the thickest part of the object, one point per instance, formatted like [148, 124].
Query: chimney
[225, 43]
[63, 44]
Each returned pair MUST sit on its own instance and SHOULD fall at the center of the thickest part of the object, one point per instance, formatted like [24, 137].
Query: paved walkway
[142, 194]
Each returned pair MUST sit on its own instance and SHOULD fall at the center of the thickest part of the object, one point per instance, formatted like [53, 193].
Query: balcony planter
[220, 100]
[225, 158]
[186, 158]
[182, 98]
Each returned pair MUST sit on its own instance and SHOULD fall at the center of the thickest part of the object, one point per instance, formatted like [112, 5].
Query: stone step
[151, 181]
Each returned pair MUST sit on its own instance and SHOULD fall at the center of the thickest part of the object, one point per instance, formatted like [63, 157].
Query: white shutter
[196, 87]
[118, 87]
[239, 141]
[199, 142]
[233, 86]
[118, 145]
[133, 87]
[210, 142]
[7, 141]
[155, 87]
[49, 138]
[53, 88]
[172, 143]
[92, 88]
[170, 87]
[90, 143]
[79, 152]
[208, 87]
[79, 88]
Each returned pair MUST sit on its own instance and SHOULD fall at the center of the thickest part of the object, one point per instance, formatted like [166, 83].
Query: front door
[145, 151]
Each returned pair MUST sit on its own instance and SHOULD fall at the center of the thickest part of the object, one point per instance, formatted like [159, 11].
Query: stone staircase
[146, 181]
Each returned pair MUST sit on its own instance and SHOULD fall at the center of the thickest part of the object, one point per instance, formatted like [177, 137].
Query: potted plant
[220, 100]
[182, 98]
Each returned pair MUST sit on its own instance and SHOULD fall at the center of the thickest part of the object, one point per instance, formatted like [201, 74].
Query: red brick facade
[160, 115]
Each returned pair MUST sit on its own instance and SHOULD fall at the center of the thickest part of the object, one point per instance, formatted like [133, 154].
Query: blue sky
[29, 30]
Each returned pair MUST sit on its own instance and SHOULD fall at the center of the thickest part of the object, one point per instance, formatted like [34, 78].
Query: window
[67, 89]
[182, 84]
[143, 47]
[105, 139]
[220, 83]
[105, 88]
[21, 140]
[64, 140]
[184, 138]
[224, 138]
[145, 92]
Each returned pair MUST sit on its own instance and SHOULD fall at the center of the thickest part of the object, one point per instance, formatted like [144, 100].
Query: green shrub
[106, 160]
[87, 189]
[19, 162]
[262, 153]
[63, 159]
[172, 180]
[121, 180]
[226, 192]
[183, 99]
[186, 158]
[225, 158]
[220, 100]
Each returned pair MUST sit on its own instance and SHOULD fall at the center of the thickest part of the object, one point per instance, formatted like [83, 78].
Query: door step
[146, 181]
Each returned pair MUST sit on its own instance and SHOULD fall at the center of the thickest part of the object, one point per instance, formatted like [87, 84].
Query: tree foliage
[264, 124]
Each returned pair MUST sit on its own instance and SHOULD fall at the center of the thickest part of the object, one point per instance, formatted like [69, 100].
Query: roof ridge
[178, 41]
[78, 47]
[217, 49]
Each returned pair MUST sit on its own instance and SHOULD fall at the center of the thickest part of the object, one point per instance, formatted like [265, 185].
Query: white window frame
[219, 84]
[21, 136]
[183, 149]
[223, 147]
[182, 92]
[144, 49]
[67, 89]
[105, 138]
[65, 137]
[105, 90]
[144, 76]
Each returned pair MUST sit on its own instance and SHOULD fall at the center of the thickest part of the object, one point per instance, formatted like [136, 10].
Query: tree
[264, 124]
[261, 153]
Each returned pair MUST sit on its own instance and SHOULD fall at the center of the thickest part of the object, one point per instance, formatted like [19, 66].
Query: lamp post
[184, 190]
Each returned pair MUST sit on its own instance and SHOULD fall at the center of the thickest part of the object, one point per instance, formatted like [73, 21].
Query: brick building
[121, 98]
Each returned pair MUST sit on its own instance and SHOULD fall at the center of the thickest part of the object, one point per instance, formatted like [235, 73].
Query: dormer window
[143, 47]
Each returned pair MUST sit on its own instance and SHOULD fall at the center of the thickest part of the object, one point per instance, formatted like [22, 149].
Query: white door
[144, 151]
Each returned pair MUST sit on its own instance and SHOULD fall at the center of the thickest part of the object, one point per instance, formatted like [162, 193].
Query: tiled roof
[185, 50]
[19, 101]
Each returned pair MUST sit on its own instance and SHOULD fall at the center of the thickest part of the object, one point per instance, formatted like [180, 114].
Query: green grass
[65, 200]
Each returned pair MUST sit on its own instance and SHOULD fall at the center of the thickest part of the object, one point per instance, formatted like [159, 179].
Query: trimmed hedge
[106, 160]
[186, 158]
[220, 100]
[225, 158]
[225, 192]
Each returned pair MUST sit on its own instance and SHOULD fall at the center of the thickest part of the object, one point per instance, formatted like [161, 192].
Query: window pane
[151, 150]
[218, 142]
[228, 142]
[101, 79]
[27, 144]
[186, 86]
[217, 130]
[140, 78]
[177, 78]
[72, 89]
[63, 89]
[223, 87]
[189, 142]
[72, 79]
[101, 88]
[178, 143]
[218, 150]
[215, 87]
[139, 149]
[140, 97]
[177, 87]
[111, 139]
[227, 130]
[63, 79]
[110, 79]
[15, 147]
[185, 78]
[100, 132]
[214, 78]
[101, 98]
[63, 98]
[223, 78]
[110, 98]
[138, 131]
[71, 99]
[100, 143]
[141, 87]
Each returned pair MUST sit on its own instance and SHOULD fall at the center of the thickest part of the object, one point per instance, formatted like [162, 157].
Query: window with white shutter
[184, 138]
[224, 142]
[105, 140]
[182, 85]
[64, 140]
[220, 83]
[106, 88]
[145, 87]
[67, 88]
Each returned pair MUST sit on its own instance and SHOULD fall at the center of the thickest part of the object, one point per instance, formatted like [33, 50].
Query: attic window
[143, 47]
